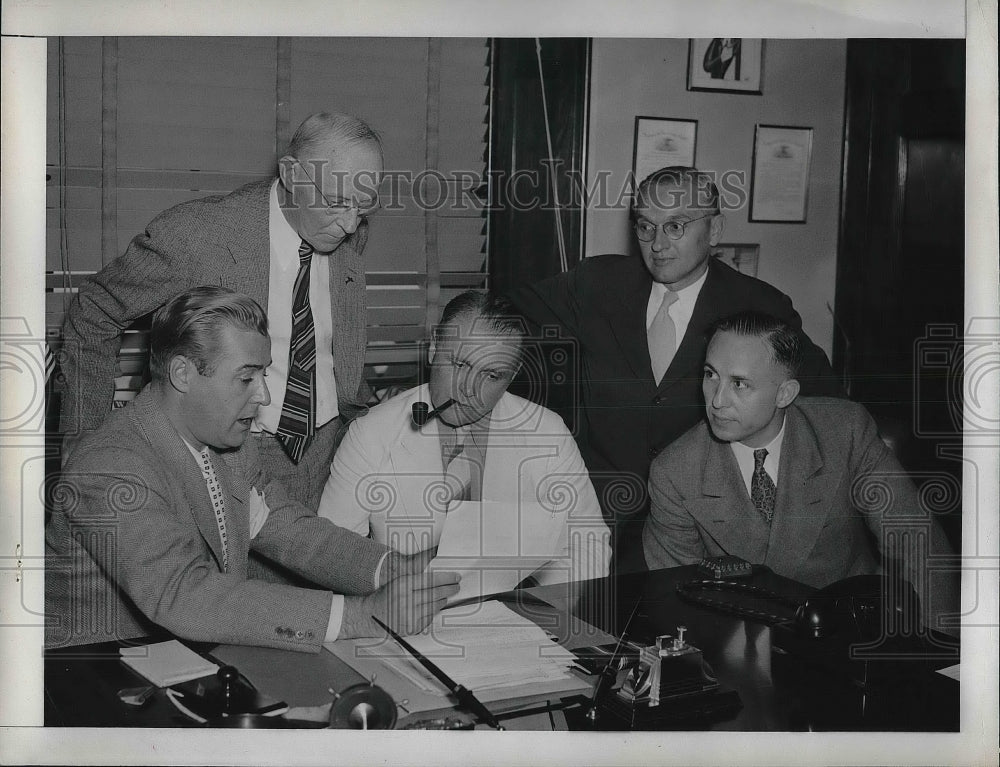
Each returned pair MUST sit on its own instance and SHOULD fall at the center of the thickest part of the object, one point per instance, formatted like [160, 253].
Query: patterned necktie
[298, 412]
[218, 503]
[762, 490]
[662, 337]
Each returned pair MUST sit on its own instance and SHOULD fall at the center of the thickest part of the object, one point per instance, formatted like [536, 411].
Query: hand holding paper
[495, 545]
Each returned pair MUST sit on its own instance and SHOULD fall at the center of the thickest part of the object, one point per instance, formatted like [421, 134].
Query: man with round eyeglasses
[639, 325]
[294, 244]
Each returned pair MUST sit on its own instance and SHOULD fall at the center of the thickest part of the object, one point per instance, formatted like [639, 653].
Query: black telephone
[857, 606]
[866, 626]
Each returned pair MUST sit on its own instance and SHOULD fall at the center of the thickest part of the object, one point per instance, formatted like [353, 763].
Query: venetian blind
[136, 125]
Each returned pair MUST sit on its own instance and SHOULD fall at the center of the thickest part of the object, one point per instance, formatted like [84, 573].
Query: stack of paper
[484, 646]
[167, 663]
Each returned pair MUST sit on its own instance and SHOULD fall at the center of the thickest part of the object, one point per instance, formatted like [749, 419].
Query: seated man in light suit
[401, 482]
[803, 485]
[167, 498]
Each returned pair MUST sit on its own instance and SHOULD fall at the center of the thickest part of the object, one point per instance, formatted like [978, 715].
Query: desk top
[779, 692]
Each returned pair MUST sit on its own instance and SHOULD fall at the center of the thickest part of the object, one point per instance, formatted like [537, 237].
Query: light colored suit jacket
[133, 545]
[222, 240]
[388, 476]
[842, 499]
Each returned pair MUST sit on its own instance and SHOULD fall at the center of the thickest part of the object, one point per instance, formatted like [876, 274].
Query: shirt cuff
[336, 618]
[378, 570]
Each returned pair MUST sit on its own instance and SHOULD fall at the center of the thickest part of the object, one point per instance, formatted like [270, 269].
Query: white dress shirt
[744, 458]
[284, 267]
[680, 311]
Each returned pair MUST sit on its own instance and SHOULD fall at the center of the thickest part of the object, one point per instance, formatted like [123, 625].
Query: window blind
[164, 119]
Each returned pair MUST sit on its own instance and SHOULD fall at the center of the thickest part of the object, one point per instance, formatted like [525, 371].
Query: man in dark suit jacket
[609, 305]
[249, 241]
[803, 485]
[159, 508]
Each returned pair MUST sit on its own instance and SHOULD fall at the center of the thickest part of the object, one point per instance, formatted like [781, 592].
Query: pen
[609, 669]
[464, 695]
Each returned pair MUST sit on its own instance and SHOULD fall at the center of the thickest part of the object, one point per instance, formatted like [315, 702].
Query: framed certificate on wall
[779, 184]
[660, 142]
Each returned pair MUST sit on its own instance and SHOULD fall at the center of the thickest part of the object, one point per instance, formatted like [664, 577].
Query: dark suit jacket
[220, 240]
[842, 499]
[626, 419]
[133, 545]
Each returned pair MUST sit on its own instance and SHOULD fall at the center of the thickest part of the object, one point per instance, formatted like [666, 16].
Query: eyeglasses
[338, 209]
[646, 230]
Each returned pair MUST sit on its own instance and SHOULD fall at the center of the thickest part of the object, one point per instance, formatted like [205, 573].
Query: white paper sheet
[495, 545]
[483, 646]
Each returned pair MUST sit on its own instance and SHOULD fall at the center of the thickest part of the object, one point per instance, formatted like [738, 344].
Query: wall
[803, 85]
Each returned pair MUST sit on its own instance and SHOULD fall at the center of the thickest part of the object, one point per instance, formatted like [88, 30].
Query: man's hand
[398, 564]
[407, 604]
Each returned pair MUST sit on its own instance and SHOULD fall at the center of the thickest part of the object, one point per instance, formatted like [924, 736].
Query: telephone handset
[852, 608]
[855, 606]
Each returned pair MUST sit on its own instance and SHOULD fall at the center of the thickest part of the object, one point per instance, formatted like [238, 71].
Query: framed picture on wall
[779, 182]
[741, 256]
[660, 142]
[726, 64]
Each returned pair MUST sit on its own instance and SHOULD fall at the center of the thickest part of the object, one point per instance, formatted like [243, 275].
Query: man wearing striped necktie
[294, 244]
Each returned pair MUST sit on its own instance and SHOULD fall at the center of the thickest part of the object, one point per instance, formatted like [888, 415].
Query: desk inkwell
[669, 685]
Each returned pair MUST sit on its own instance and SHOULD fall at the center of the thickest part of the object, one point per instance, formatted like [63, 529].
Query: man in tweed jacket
[248, 240]
[158, 509]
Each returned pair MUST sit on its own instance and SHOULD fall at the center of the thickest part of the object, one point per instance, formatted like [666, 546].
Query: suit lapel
[418, 458]
[160, 433]
[690, 354]
[347, 304]
[724, 509]
[230, 470]
[505, 443]
[799, 511]
[627, 318]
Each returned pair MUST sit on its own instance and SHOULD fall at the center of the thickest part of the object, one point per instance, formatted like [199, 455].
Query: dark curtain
[526, 205]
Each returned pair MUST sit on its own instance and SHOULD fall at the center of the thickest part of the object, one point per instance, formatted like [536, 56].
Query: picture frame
[726, 65]
[779, 181]
[744, 257]
[659, 142]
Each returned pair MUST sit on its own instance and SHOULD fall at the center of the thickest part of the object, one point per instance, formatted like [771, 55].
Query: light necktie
[458, 468]
[218, 503]
[298, 412]
[662, 337]
[762, 490]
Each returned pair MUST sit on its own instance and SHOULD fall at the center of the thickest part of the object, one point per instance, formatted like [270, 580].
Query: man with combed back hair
[508, 458]
[803, 485]
[160, 507]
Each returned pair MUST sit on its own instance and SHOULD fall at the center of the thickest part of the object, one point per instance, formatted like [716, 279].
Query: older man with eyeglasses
[640, 324]
[294, 244]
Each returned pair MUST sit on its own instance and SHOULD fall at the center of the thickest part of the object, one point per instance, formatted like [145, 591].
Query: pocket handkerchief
[258, 511]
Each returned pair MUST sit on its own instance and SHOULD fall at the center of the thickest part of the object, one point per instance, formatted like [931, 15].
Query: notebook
[167, 663]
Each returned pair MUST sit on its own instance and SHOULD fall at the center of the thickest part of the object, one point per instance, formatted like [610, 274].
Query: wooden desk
[779, 693]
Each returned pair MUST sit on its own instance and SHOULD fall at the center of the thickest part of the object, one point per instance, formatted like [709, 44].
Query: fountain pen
[464, 695]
